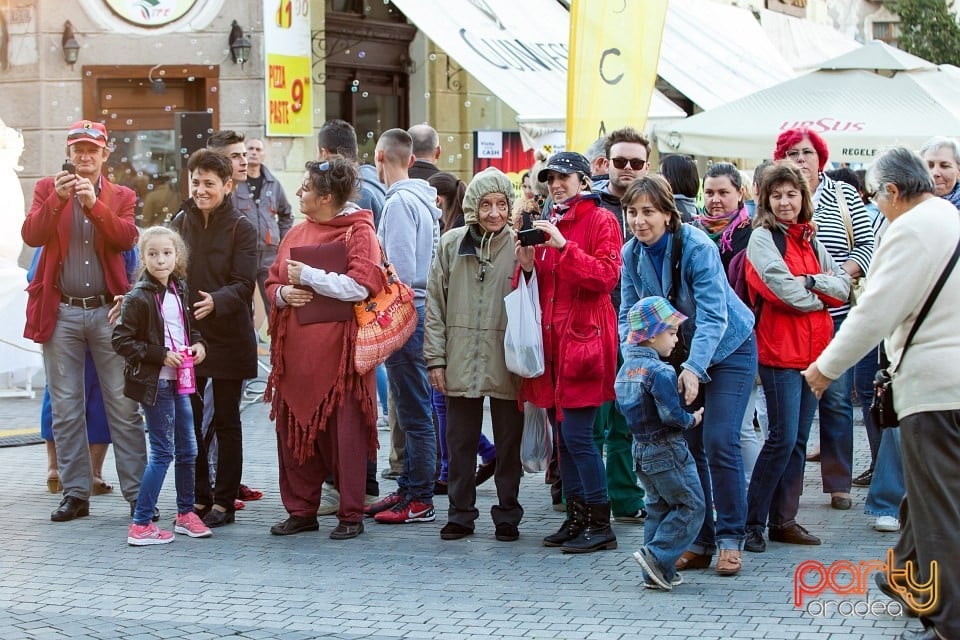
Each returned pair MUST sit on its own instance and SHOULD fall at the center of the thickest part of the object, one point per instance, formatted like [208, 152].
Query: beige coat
[466, 318]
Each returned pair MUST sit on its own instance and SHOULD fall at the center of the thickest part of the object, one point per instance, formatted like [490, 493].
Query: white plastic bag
[523, 340]
[536, 445]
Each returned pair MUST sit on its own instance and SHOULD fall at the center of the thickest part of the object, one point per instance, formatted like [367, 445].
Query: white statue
[19, 358]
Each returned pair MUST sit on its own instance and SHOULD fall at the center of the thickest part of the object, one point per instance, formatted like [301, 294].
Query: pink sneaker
[141, 535]
[189, 524]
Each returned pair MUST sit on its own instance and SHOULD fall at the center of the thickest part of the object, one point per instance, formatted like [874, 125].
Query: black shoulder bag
[681, 351]
[881, 409]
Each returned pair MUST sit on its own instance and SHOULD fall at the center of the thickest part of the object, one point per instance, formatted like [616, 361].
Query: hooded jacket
[139, 336]
[371, 192]
[409, 232]
[272, 217]
[465, 314]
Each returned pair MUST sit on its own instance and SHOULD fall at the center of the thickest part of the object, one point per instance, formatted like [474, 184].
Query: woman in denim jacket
[723, 355]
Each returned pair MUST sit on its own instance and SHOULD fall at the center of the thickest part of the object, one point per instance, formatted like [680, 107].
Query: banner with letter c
[614, 53]
[286, 46]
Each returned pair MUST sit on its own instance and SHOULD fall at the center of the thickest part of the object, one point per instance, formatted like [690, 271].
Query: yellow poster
[614, 52]
[287, 56]
[289, 103]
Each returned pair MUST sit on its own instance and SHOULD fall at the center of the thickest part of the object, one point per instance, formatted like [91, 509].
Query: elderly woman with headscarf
[843, 228]
[463, 347]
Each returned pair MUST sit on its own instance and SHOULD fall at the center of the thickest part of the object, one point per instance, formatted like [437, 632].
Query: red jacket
[579, 322]
[793, 325]
[48, 225]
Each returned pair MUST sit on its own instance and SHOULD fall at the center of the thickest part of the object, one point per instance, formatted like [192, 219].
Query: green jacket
[465, 315]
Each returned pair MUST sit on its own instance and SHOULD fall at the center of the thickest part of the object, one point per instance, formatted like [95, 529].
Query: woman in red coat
[577, 266]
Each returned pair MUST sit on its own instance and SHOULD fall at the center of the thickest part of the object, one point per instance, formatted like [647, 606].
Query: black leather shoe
[840, 503]
[864, 479]
[794, 534]
[485, 472]
[216, 518]
[880, 579]
[454, 531]
[440, 488]
[347, 530]
[71, 507]
[292, 525]
[507, 532]
[754, 541]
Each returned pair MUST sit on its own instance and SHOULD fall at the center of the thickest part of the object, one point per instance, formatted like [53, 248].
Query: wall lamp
[239, 44]
[71, 48]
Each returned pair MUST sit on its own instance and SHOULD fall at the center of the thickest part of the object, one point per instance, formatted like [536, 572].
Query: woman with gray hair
[918, 252]
[463, 347]
[942, 156]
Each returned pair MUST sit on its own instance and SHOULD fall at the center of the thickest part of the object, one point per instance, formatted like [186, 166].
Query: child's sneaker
[650, 584]
[189, 524]
[652, 568]
[141, 535]
[407, 511]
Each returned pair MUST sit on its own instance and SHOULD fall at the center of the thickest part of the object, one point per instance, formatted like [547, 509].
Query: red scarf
[312, 365]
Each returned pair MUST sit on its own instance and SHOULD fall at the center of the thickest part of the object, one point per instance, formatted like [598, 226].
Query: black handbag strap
[676, 254]
[929, 303]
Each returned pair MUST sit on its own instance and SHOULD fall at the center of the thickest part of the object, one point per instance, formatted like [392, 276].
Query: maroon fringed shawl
[312, 365]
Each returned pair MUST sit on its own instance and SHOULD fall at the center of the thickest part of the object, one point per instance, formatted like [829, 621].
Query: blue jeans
[777, 481]
[410, 388]
[887, 487]
[171, 436]
[382, 389]
[715, 446]
[674, 498]
[836, 431]
[581, 465]
[863, 374]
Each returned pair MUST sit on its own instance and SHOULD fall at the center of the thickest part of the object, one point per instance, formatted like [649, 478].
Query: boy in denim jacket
[648, 398]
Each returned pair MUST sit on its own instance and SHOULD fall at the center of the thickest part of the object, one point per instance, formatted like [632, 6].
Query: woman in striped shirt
[843, 227]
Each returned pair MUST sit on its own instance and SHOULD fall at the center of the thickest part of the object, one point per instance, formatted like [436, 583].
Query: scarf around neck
[720, 228]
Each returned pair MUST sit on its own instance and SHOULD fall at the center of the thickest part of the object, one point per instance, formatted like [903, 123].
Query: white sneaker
[887, 524]
[329, 500]
[383, 424]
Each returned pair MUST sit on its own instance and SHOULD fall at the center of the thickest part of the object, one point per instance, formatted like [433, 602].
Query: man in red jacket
[84, 223]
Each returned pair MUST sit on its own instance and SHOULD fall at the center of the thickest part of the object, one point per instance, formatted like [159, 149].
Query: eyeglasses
[486, 207]
[795, 154]
[79, 134]
[635, 163]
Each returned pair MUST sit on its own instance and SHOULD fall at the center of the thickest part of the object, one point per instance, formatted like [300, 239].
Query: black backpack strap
[780, 240]
[676, 255]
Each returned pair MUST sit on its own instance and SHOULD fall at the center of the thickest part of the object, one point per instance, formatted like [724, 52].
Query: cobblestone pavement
[81, 580]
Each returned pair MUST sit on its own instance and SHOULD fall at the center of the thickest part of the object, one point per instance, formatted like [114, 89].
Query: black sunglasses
[635, 163]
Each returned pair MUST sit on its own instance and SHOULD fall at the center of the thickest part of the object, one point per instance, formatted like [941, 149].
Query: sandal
[691, 560]
[100, 487]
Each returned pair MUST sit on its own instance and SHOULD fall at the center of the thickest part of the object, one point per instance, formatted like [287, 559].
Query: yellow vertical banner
[614, 51]
[287, 56]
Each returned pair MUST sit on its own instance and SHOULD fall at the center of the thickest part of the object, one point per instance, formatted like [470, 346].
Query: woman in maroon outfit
[325, 411]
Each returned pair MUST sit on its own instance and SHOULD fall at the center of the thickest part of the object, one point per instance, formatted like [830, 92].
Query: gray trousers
[464, 424]
[930, 512]
[63, 362]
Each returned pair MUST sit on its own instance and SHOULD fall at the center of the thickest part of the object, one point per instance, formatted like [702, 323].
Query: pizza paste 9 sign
[289, 94]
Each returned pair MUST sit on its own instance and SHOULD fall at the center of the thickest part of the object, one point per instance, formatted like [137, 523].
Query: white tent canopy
[857, 112]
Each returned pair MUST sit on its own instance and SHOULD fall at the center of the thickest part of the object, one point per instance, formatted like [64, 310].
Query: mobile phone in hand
[69, 167]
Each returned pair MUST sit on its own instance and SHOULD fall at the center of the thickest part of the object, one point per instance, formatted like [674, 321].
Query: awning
[517, 50]
[802, 43]
[714, 53]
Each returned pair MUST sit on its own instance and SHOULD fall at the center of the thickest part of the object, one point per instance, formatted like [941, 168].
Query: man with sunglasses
[84, 223]
[627, 152]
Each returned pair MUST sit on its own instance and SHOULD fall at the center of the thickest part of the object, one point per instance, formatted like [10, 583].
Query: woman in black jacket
[222, 276]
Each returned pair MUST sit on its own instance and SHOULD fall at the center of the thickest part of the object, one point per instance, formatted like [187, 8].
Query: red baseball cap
[87, 131]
